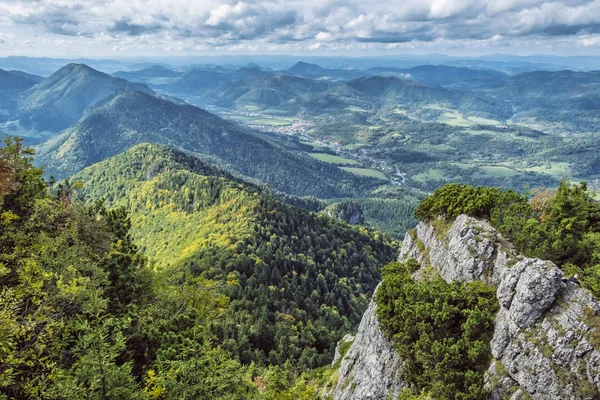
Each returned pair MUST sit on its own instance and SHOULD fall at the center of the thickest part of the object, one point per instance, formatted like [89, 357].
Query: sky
[131, 28]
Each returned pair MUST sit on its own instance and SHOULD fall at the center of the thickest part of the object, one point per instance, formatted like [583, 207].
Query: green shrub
[441, 329]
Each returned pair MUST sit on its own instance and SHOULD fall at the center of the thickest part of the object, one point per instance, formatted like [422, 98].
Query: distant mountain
[11, 87]
[60, 100]
[156, 74]
[377, 94]
[279, 91]
[314, 71]
[135, 117]
[247, 73]
[35, 78]
[443, 75]
[14, 82]
[198, 81]
[306, 69]
[563, 100]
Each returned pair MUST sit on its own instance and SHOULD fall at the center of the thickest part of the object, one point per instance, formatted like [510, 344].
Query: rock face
[467, 250]
[541, 337]
[542, 343]
[347, 211]
[371, 368]
[347, 339]
[528, 289]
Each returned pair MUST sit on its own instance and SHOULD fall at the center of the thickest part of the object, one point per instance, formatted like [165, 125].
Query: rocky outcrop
[541, 336]
[371, 368]
[464, 251]
[542, 342]
[528, 289]
[346, 341]
[346, 211]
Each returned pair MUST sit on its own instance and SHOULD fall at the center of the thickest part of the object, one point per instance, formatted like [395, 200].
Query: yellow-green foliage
[295, 279]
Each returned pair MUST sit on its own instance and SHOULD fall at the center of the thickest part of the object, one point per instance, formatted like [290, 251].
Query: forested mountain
[14, 81]
[153, 275]
[530, 98]
[392, 91]
[11, 86]
[314, 71]
[566, 99]
[134, 117]
[250, 72]
[443, 75]
[286, 271]
[224, 274]
[61, 99]
[197, 81]
[31, 77]
[278, 91]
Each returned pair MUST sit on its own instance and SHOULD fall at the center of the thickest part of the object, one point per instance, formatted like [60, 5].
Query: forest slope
[295, 279]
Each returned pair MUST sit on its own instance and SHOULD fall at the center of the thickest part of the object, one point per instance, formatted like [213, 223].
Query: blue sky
[122, 28]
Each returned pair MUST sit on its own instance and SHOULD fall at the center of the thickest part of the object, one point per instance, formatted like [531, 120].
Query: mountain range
[153, 249]
[132, 117]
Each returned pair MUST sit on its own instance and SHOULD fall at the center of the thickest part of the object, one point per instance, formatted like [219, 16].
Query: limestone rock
[371, 368]
[469, 250]
[346, 339]
[541, 344]
[551, 358]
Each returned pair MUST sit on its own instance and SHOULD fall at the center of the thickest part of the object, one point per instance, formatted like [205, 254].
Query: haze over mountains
[398, 128]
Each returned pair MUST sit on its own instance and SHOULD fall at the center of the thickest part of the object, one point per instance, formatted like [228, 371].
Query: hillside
[60, 100]
[241, 294]
[14, 81]
[289, 272]
[31, 77]
[131, 118]
[483, 307]
[11, 87]
[198, 81]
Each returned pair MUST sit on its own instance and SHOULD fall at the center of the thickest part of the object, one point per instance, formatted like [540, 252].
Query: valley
[221, 231]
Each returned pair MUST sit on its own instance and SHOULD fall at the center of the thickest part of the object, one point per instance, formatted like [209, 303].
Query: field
[495, 171]
[332, 159]
[373, 173]
[456, 118]
[432, 174]
[558, 169]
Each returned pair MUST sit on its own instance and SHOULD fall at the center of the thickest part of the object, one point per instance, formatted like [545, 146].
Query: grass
[366, 172]
[316, 145]
[332, 159]
[432, 174]
[483, 121]
[456, 118]
[558, 169]
[495, 171]
[453, 118]
[463, 165]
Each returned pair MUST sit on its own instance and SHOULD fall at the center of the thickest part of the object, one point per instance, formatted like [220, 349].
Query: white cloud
[297, 25]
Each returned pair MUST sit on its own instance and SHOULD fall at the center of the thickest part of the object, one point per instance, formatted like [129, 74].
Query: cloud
[307, 24]
[129, 28]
